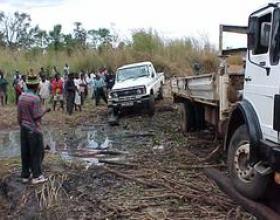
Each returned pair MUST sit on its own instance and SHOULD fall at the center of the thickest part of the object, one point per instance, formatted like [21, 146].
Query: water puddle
[89, 145]
[71, 145]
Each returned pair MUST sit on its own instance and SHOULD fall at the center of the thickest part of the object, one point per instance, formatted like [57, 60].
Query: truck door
[262, 75]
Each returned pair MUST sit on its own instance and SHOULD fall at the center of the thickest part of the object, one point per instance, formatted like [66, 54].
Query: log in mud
[258, 209]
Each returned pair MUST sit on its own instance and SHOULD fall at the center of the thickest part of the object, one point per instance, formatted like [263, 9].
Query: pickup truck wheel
[160, 95]
[113, 116]
[151, 106]
[244, 177]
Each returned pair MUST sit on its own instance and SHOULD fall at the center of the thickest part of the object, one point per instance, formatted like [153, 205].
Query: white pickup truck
[137, 85]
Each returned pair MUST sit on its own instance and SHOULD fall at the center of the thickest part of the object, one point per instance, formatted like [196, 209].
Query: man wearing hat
[30, 114]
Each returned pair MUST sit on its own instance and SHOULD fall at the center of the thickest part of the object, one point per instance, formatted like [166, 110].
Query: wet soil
[146, 170]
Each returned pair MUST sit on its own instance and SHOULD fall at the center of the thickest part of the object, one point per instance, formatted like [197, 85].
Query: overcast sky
[171, 18]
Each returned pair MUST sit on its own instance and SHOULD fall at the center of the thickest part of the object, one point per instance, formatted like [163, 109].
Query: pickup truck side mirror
[153, 75]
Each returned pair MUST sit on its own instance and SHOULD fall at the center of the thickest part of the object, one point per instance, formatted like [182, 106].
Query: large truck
[244, 106]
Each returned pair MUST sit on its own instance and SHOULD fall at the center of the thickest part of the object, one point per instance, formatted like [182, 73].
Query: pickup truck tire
[151, 106]
[245, 179]
[113, 116]
[160, 93]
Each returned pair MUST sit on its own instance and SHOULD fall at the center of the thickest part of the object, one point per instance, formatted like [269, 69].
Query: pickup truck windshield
[133, 72]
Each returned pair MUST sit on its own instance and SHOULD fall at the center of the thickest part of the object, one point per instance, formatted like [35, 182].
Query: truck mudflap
[244, 113]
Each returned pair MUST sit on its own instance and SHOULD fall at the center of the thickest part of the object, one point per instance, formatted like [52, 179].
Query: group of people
[69, 87]
[33, 92]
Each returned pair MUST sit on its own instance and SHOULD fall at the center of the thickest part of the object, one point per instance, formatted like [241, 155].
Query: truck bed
[202, 88]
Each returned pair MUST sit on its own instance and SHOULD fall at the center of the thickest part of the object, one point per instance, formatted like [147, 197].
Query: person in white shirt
[44, 90]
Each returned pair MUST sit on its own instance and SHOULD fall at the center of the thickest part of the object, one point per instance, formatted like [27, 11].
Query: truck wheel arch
[244, 113]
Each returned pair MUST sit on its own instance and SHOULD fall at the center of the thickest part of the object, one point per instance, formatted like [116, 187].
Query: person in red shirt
[30, 113]
[57, 91]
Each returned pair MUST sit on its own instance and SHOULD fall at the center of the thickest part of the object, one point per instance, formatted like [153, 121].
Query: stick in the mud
[115, 172]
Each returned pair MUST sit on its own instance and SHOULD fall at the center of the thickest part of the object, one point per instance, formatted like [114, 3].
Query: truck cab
[243, 107]
[253, 138]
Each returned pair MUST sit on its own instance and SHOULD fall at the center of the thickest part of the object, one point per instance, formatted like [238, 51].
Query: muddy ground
[152, 171]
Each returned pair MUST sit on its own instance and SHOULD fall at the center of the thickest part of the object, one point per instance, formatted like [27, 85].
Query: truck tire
[160, 94]
[244, 177]
[199, 117]
[113, 116]
[151, 106]
[186, 118]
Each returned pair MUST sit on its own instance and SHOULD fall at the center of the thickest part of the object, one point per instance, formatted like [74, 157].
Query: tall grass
[174, 57]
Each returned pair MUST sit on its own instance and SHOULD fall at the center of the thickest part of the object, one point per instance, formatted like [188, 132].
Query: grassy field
[174, 57]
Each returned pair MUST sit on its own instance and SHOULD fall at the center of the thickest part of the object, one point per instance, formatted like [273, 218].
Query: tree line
[17, 32]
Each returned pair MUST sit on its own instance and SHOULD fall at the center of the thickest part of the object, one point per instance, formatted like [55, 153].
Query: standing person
[70, 91]
[54, 71]
[99, 85]
[3, 89]
[44, 90]
[109, 79]
[91, 85]
[78, 98]
[23, 83]
[57, 91]
[66, 69]
[30, 114]
[42, 72]
[83, 86]
[17, 85]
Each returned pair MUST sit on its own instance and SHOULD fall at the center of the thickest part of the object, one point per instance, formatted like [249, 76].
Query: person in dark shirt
[3, 89]
[109, 79]
[70, 90]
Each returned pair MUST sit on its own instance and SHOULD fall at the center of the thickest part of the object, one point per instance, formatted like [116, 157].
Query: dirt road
[153, 171]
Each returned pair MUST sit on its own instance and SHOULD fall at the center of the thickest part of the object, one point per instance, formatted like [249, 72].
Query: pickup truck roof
[135, 65]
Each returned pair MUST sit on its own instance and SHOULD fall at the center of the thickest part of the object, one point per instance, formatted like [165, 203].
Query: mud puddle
[89, 145]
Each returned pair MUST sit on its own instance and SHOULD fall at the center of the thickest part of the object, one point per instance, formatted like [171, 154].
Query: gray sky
[172, 19]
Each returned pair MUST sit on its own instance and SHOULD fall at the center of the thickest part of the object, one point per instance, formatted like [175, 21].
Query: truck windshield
[133, 72]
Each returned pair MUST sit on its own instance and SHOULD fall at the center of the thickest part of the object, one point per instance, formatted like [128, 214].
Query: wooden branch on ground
[213, 154]
[117, 173]
[117, 163]
[257, 209]
[190, 167]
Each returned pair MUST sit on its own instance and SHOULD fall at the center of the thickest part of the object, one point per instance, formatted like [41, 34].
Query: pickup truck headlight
[141, 91]
[114, 95]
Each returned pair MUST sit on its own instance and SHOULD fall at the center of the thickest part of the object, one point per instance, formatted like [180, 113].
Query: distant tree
[56, 37]
[93, 38]
[144, 41]
[16, 30]
[41, 39]
[105, 35]
[100, 37]
[80, 34]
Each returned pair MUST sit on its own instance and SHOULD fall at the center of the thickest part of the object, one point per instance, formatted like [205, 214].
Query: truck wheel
[160, 95]
[187, 121]
[244, 177]
[199, 117]
[113, 116]
[151, 106]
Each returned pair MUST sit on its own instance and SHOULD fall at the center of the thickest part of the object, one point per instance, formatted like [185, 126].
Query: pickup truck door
[262, 77]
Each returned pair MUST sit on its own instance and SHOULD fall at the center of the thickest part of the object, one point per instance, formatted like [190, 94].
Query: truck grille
[125, 93]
